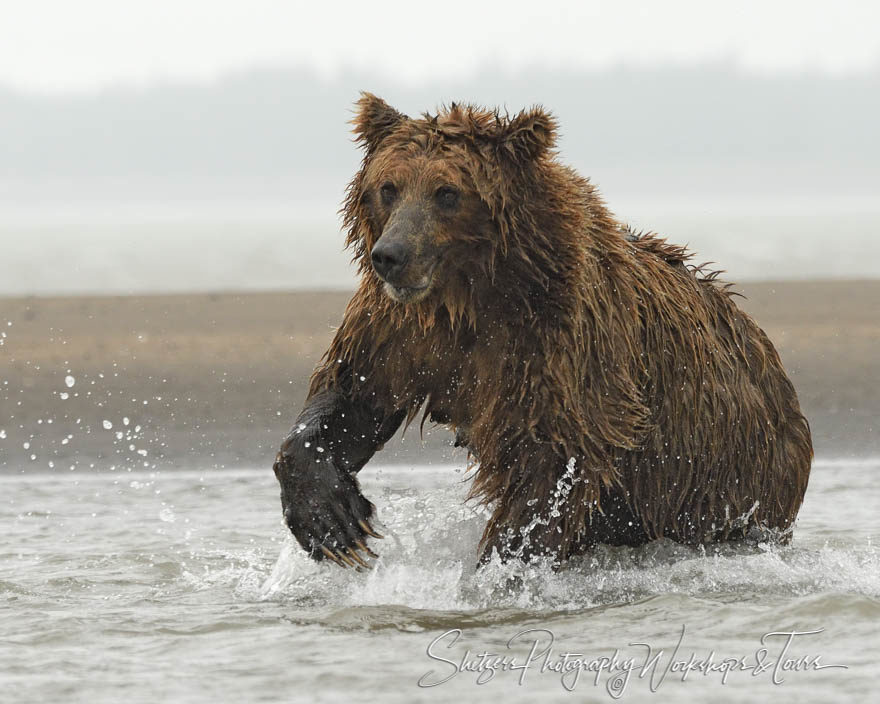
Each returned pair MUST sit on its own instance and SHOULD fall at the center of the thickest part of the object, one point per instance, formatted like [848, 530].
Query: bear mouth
[412, 292]
[407, 294]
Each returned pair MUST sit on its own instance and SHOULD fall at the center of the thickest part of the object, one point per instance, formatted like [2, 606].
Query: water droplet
[125, 421]
[64, 395]
[107, 425]
[70, 381]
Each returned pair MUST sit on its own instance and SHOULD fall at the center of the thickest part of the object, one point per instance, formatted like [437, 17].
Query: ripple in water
[187, 586]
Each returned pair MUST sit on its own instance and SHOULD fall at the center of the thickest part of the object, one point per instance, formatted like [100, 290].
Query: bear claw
[367, 550]
[341, 555]
[353, 554]
[368, 530]
[330, 555]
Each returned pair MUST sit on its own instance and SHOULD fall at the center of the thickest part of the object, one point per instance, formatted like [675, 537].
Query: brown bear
[609, 391]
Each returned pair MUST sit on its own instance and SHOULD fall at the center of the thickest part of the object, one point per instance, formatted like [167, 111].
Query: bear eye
[388, 192]
[447, 197]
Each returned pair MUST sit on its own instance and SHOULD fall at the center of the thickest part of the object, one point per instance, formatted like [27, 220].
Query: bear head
[441, 199]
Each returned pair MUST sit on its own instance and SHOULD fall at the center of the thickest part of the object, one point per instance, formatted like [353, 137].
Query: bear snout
[390, 259]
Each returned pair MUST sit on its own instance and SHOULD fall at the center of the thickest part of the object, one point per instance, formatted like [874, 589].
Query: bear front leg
[323, 506]
[542, 499]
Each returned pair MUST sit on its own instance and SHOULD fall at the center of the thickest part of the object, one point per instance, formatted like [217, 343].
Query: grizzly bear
[607, 390]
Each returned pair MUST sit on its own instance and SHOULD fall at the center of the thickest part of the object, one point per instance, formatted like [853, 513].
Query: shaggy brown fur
[609, 390]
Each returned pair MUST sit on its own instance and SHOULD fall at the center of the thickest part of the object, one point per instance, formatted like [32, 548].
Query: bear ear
[375, 120]
[530, 134]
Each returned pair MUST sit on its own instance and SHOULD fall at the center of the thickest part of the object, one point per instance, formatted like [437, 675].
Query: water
[285, 251]
[184, 586]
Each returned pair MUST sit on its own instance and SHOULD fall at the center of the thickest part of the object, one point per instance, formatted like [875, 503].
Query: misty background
[235, 183]
[204, 148]
[211, 152]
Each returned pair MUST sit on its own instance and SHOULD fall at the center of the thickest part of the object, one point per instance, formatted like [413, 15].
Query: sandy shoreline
[216, 380]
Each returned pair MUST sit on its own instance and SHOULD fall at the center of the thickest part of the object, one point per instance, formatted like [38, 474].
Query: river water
[184, 586]
[175, 255]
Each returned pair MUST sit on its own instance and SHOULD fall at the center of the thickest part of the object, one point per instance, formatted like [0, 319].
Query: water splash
[429, 561]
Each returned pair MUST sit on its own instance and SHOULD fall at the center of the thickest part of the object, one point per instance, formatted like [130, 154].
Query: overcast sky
[63, 46]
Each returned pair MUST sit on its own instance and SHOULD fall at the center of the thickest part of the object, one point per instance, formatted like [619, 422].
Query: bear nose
[389, 259]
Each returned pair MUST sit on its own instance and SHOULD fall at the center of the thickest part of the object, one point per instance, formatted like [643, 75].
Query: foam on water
[428, 561]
